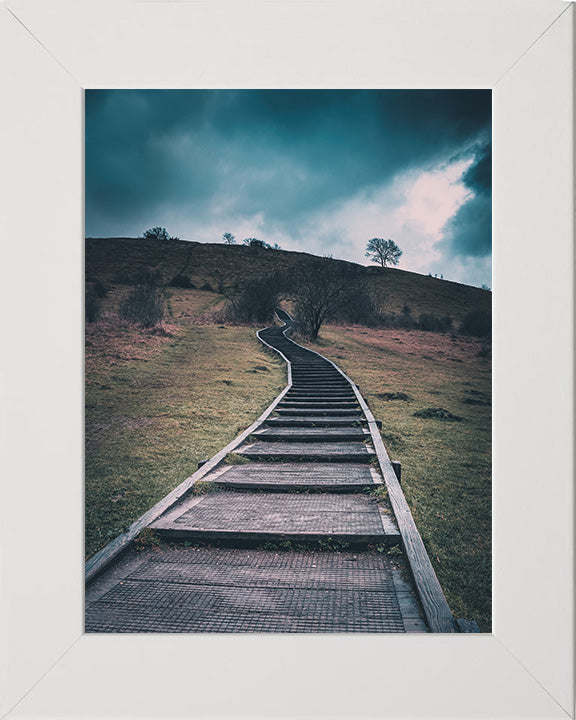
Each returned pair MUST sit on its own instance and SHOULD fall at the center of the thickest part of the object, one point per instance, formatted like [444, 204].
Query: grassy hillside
[117, 261]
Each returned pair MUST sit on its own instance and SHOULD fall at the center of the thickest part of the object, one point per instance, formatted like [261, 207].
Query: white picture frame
[51, 50]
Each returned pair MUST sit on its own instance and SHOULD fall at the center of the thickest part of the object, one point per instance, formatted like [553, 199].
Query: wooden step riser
[322, 399]
[316, 422]
[319, 381]
[303, 437]
[336, 412]
[333, 384]
[363, 458]
[308, 487]
[319, 405]
[329, 397]
[321, 389]
[316, 376]
[313, 389]
[325, 380]
[254, 539]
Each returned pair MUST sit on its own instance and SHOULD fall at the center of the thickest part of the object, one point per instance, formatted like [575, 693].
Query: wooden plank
[245, 516]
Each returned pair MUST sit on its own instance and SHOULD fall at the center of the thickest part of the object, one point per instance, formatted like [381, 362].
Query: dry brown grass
[446, 466]
[160, 400]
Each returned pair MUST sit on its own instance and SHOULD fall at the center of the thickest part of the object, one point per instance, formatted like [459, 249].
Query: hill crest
[210, 266]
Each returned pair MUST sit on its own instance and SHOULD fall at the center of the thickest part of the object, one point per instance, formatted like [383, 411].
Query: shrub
[257, 299]
[144, 305]
[156, 233]
[360, 309]
[395, 321]
[182, 281]
[255, 243]
[478, 323]
[99, 288]
[91, 305]
[434, 323]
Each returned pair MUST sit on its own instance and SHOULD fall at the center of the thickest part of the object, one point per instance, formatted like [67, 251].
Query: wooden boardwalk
[292, 539]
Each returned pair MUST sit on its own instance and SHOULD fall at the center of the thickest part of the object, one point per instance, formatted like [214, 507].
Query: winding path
[306, 475]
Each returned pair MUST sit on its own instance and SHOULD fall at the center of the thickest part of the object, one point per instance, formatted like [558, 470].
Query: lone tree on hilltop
[229, 239]
[157, 233]
[383, 251]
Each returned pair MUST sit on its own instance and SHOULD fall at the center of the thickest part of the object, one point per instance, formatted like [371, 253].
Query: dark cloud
[479, 176]
[283, 154]
[469, 232]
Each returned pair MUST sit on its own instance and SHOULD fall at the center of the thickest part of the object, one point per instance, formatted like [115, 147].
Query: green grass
[204, 487]
[153, 413]
[446, 465]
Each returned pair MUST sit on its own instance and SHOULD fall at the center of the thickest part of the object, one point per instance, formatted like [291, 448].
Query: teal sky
[320, 171]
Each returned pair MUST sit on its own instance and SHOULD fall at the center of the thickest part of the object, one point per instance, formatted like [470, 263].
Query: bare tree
[322, 291]
[229, 239]
[383, 251]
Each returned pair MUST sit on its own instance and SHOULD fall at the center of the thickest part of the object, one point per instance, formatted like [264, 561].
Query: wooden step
[317, 376]
[312, 434]
[243, 517]
[319, 404]
[309, 451]
[315, 421]
[326, 392]
[321, 380]
[316, 395]
[231, 590]
[328, 477]
[327, 411]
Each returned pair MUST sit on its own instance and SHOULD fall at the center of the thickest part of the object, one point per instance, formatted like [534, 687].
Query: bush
[395, 321]
[360, 309]
[254, 243]
[477, 323]
[144, 305]
[99, 288]
[257, 299]
[182, 281]
[434, 323]
[91, 305]
[157, 233]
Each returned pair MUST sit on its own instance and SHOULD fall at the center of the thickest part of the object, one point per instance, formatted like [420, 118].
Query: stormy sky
[319, 171]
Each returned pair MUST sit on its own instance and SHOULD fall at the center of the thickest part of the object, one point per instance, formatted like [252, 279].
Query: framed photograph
[54, 50]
